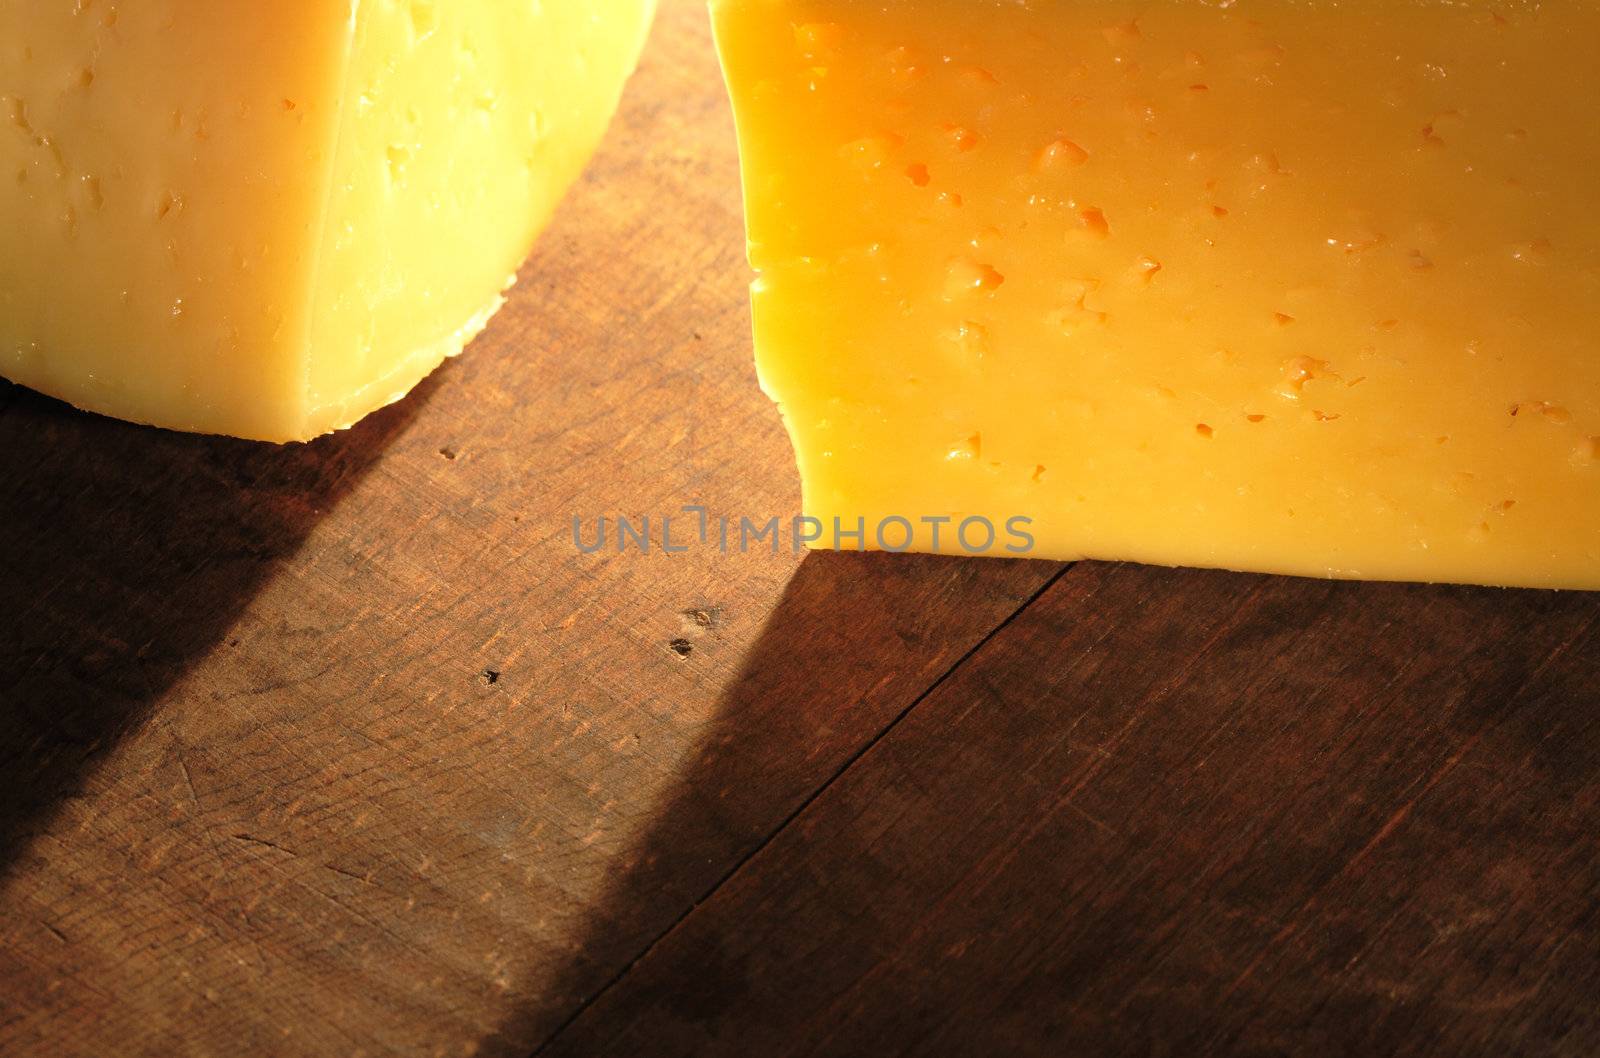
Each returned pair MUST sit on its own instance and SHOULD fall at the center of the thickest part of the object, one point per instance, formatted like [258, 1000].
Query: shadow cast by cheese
[1122, 711]
[803, 644]
[170, 536]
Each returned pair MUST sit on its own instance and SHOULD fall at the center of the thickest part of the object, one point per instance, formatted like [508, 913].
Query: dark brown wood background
[344, 749]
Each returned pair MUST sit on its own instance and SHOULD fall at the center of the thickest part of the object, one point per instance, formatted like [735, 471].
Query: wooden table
[346, 749]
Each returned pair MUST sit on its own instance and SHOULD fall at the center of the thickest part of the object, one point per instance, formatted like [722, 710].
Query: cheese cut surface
[269, 220]
[1299, 287]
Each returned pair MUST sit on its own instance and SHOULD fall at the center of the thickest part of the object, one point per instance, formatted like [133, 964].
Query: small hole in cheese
[965, 276]
[1062, 154]
[962, 138]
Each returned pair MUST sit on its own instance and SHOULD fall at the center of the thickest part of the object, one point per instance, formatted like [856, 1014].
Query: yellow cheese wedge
[1292, 286]
[270, 219]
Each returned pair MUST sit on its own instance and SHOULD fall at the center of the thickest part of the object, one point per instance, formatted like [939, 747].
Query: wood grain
[1180, 813]
[346, 749]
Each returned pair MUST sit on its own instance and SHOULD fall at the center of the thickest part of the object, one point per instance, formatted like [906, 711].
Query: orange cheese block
[270, 219]
[1295, 286]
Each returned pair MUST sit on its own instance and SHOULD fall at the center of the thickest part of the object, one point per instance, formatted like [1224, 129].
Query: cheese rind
[270, 222]
[1300, 287]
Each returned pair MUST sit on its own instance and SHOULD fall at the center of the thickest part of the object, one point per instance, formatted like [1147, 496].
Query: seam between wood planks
[810, 799]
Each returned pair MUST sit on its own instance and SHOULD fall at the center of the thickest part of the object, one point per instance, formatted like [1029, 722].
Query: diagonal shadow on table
[839, 635]
[1336, 785]
[126, 554]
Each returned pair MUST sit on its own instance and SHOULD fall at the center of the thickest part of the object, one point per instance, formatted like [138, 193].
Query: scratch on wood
[1402, 813]
[1384, 832]
[188, 779]
[1278, 938]
[364, 879]
[251, 839]
[1084, 815]
[211, 838]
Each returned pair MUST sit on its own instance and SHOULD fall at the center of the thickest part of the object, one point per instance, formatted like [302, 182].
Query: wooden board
[1182, 813]
[346, 749]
